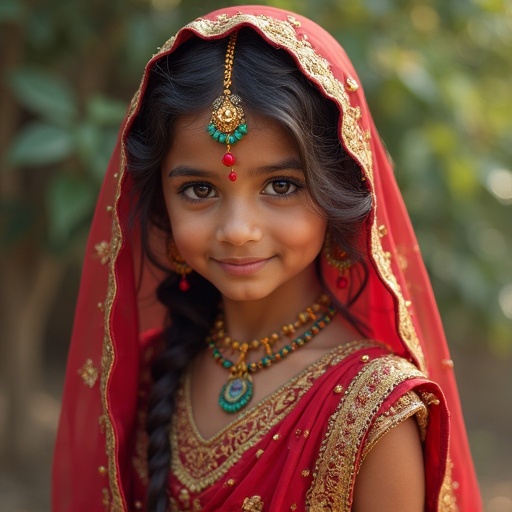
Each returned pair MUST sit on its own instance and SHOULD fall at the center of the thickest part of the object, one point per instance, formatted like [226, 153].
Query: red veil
[115, 306]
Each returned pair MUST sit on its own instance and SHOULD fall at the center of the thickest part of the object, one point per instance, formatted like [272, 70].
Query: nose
[239, 223]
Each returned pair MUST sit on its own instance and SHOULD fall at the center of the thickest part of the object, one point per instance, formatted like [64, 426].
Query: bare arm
[392, 477]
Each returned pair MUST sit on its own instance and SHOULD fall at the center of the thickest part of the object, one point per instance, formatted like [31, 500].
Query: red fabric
[97, 420]
[277, 477]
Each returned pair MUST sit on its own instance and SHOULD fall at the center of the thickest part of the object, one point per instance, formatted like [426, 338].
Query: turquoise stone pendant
[236, 393]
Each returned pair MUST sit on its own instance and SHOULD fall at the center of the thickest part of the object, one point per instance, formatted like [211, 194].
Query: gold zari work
[88, 373]
[336, 465]
[198, 463]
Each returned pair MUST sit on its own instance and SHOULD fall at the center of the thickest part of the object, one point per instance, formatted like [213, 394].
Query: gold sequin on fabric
[447, 499]
[198, 463]
[253, 504]
[352, 85]
[88, 373]
[337, 466]
[103, 252]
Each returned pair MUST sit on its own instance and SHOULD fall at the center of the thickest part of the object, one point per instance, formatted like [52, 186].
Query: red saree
[93, 465]
[301, 447]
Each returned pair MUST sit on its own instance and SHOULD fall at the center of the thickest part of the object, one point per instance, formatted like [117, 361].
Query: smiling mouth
[242, 266]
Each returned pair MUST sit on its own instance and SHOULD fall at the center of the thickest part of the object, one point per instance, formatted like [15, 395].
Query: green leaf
[70, 203]
[41, 144]
[106, 111]
[44, 93]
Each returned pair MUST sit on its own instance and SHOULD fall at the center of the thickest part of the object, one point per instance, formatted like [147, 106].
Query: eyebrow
[288, 164]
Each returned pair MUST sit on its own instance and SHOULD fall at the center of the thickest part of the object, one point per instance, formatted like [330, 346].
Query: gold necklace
[238, 390]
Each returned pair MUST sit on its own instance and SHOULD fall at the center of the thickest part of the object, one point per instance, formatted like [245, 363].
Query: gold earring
[337, 258]
[178, 265]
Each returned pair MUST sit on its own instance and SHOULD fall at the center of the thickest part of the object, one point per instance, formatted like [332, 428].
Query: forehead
[266, 137]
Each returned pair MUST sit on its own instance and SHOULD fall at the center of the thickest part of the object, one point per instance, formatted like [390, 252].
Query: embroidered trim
[447, 499]
[108, 357]
[406, 406]
[198, 463]
[336, 467]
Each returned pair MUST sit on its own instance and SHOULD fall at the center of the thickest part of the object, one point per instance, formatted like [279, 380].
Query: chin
[244, 292]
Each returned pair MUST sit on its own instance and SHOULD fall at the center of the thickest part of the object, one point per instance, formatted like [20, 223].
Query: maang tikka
[227, 123]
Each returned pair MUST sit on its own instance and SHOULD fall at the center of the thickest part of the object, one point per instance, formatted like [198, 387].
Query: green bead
[211, 129]
[238, 135]
[243, 129]
[217, 134]
[227, 364]
[222, 138]
[232, 139]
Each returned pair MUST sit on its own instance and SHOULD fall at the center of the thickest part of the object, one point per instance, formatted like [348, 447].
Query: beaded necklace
[239, 389]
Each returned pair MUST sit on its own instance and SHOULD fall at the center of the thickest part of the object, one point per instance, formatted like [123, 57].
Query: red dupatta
[91, 465]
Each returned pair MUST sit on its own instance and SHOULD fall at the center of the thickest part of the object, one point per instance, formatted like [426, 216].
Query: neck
[248, 320]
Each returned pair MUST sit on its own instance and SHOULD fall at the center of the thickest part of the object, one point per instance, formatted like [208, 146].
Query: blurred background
[437, 75]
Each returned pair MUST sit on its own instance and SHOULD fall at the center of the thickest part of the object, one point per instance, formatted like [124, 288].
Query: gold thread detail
[406, 406]
[201, 462]
[337, 466]
[447, 499]
[253, 504]
[103, 252]
[89, 373]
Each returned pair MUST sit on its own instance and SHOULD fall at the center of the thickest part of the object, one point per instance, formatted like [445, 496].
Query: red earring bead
[232, 175]
[342, 282]
[184, 284]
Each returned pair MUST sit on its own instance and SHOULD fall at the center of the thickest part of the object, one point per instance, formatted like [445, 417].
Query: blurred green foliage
[436, 74]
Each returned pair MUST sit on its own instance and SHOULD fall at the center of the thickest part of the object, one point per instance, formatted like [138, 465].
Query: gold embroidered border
[406, 406]
[335, 471]
[199, 463]
[108, 357]
[447, 499]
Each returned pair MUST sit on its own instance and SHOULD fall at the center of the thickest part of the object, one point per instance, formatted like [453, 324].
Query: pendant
[236, 393]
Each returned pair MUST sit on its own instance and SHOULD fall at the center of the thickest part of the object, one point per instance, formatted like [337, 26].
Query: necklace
[238, 390]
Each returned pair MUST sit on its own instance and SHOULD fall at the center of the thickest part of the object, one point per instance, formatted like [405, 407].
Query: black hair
[270, 84]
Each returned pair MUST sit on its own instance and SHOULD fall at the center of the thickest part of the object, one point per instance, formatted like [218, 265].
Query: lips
[242, 266]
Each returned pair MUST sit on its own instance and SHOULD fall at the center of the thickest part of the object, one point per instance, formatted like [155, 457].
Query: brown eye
[198, 191]
[202, 191]
[281, 187]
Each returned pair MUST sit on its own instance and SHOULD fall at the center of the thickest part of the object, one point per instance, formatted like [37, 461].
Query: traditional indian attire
[300, 448]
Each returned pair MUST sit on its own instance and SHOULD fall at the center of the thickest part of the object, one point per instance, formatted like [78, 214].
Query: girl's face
[252, 236]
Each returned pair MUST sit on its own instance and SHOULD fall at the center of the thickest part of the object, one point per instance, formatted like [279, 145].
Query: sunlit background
[437, 75]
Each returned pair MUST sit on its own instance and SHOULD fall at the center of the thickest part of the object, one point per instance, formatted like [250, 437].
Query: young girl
[294, 359]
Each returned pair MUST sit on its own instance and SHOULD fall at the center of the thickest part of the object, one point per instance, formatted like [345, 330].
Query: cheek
[189, 234]
[306, 234]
